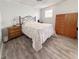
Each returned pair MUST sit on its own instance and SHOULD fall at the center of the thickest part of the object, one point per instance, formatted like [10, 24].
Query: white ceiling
[35, 3]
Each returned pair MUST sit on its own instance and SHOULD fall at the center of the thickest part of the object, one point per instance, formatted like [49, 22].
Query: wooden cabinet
[14, 31]
[66, 24]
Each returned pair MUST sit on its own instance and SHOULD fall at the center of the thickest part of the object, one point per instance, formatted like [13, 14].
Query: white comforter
[39, 32]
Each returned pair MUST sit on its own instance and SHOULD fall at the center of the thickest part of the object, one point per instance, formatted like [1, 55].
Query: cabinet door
[66, 25]
[60, 21]
[72, 24]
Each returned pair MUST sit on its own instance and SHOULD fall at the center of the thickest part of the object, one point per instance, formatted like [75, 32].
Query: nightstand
[14, 31]
[11, 33]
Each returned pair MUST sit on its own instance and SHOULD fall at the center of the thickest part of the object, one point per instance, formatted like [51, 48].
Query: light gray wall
[47, 20]
[0, 28]
[12, 10]
[68, 6]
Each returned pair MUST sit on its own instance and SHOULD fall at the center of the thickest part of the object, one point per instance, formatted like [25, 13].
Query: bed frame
[22, 18]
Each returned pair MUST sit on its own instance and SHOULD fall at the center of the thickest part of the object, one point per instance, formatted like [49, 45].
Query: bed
[39, 32]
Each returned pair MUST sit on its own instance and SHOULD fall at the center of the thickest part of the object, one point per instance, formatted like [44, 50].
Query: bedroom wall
[0, 28]
[68, 6]
[47, 20]
[11, 10]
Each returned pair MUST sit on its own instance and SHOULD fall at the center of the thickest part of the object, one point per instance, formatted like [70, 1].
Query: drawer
[14, 35]
[15, 31]
[14, 28]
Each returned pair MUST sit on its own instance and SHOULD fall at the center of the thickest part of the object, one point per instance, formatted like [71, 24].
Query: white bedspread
[39, 32]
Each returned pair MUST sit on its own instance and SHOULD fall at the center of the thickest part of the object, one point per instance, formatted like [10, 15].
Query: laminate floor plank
[58, 47]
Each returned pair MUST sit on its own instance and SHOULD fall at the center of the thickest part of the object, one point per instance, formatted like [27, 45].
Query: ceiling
[35, 3]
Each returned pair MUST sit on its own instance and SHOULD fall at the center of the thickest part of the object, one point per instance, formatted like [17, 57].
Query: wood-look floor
[53, 48]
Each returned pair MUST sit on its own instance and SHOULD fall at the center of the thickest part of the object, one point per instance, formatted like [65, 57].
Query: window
[48, 13]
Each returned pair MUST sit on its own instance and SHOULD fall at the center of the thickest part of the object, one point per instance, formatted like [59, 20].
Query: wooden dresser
[14, 31]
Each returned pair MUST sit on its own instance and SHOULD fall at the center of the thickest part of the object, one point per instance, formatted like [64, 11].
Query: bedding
[39, 32]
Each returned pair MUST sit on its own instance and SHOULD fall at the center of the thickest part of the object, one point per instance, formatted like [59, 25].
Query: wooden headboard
[66, 24]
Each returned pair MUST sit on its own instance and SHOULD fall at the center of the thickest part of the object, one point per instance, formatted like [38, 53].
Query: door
[60, 21]
[72, 24]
